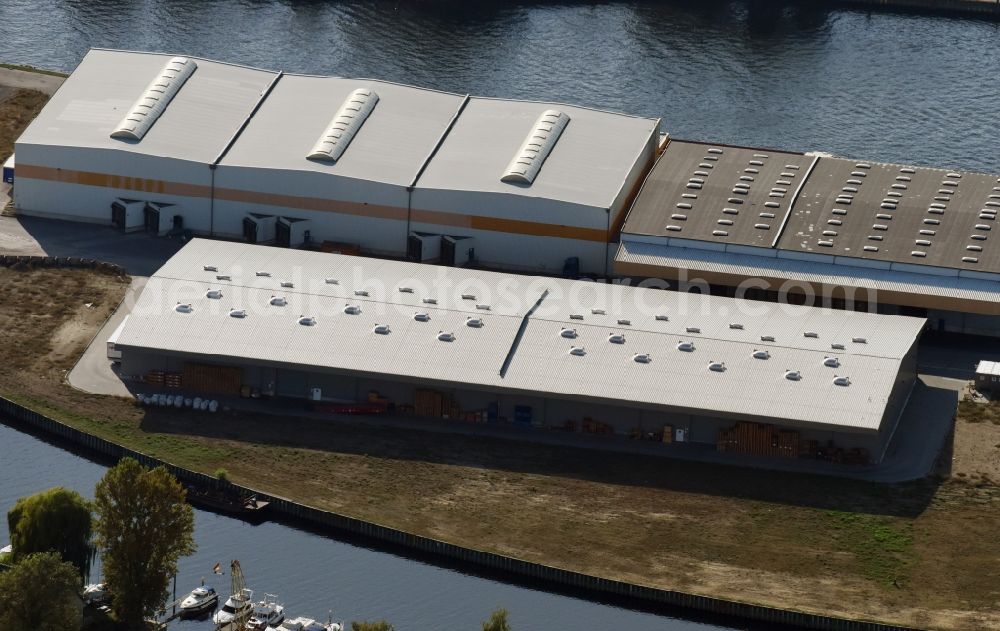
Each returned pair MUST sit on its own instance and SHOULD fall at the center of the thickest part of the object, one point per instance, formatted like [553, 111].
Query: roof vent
[598, 311]
[831, 362]
[575, 316]
[183, 308]
[642, 358]
[352, 309]
[214, 294]
[268, 274]
[693, 329]
[859, 340]
[210, 268]
[616, 338]
[420, 316]
[761, 355]
[476, 323]
[345, 125]
[223, 277]
[468, 296]
[793, 375]
[278, 301]
[483, 307]
[837, 347]
[625, 322]
[736, 325]
[579, 351]
[406, 290]
[536, 147]
[446, 336]
[717, 366]
[430, 301]
[307, 321]
[237, 313]
[766, 338]
[287, 283]
[154, 99]
[810, 334]
[841, 381]
[331, 281]
[568, 333]
[361, 292]
[662, 317]
[687, 347]
[382, 329]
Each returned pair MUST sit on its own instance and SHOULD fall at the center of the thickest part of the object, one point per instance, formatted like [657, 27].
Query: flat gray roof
[588, 165]
[892, 212]
[196, 125]
[718, 193]
[536, 355]
[391, 145]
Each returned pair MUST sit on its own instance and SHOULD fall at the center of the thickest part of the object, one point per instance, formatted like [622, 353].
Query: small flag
[218, 568]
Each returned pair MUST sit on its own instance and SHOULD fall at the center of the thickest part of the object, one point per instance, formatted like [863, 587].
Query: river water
[314, 574]
[876, 85]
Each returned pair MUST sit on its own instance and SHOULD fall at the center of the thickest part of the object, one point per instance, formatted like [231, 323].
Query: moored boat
[267, 614]
[200, 601]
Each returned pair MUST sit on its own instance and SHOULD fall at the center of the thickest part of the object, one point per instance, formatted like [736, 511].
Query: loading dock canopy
[534, 336]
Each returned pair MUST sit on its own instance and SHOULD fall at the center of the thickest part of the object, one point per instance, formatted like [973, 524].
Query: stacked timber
[759, 440]
[215, 379]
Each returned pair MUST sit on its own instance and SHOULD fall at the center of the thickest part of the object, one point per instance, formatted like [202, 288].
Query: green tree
[40, 594]
[497, 621]
[379, 625]
[143, 527]
[56, 520]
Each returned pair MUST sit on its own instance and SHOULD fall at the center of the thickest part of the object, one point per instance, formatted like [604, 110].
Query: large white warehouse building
[154, 142]
[430, 341]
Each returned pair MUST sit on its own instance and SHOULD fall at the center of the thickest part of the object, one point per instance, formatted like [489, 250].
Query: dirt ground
[923, 554]
[17, 108]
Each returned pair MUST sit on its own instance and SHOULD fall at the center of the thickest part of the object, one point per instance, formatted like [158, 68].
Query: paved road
[94, 372]
[139, 253]
[30, 80]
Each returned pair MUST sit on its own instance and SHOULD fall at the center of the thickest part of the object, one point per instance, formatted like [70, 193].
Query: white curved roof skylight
[536, 147]
[154, 99]
[345, 124]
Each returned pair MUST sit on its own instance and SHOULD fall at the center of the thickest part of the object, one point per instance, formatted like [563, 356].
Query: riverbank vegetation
[921, 554]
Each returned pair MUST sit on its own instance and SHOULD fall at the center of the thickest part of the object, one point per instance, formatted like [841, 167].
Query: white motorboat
[201, 600]
[307, 624]
[96, 594]
[237, 604]
[266, 614]
[7, 549]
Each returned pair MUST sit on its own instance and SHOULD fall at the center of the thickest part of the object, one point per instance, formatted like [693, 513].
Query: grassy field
[25, 68]
[924, 553]
[17, 109]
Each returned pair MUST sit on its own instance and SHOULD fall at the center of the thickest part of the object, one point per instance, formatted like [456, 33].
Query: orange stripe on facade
[457, 220]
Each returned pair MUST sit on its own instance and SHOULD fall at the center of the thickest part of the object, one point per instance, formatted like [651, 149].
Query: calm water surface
[313, 574]
[876, 85]
[887, 86]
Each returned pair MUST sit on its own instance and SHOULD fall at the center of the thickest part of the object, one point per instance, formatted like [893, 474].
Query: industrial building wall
[81, 184]
[518, 409]
[641, 168]
[516, 232]
[367, 213]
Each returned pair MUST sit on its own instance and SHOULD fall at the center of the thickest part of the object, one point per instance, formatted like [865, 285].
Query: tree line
[140, 524]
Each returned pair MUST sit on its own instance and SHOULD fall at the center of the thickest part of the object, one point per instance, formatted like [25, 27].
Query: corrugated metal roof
[898, 213]
[196, 125]
[588, 165]
[718, 193]
[988, 368]
[322, 285]
[390, 146]
[828, 274]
